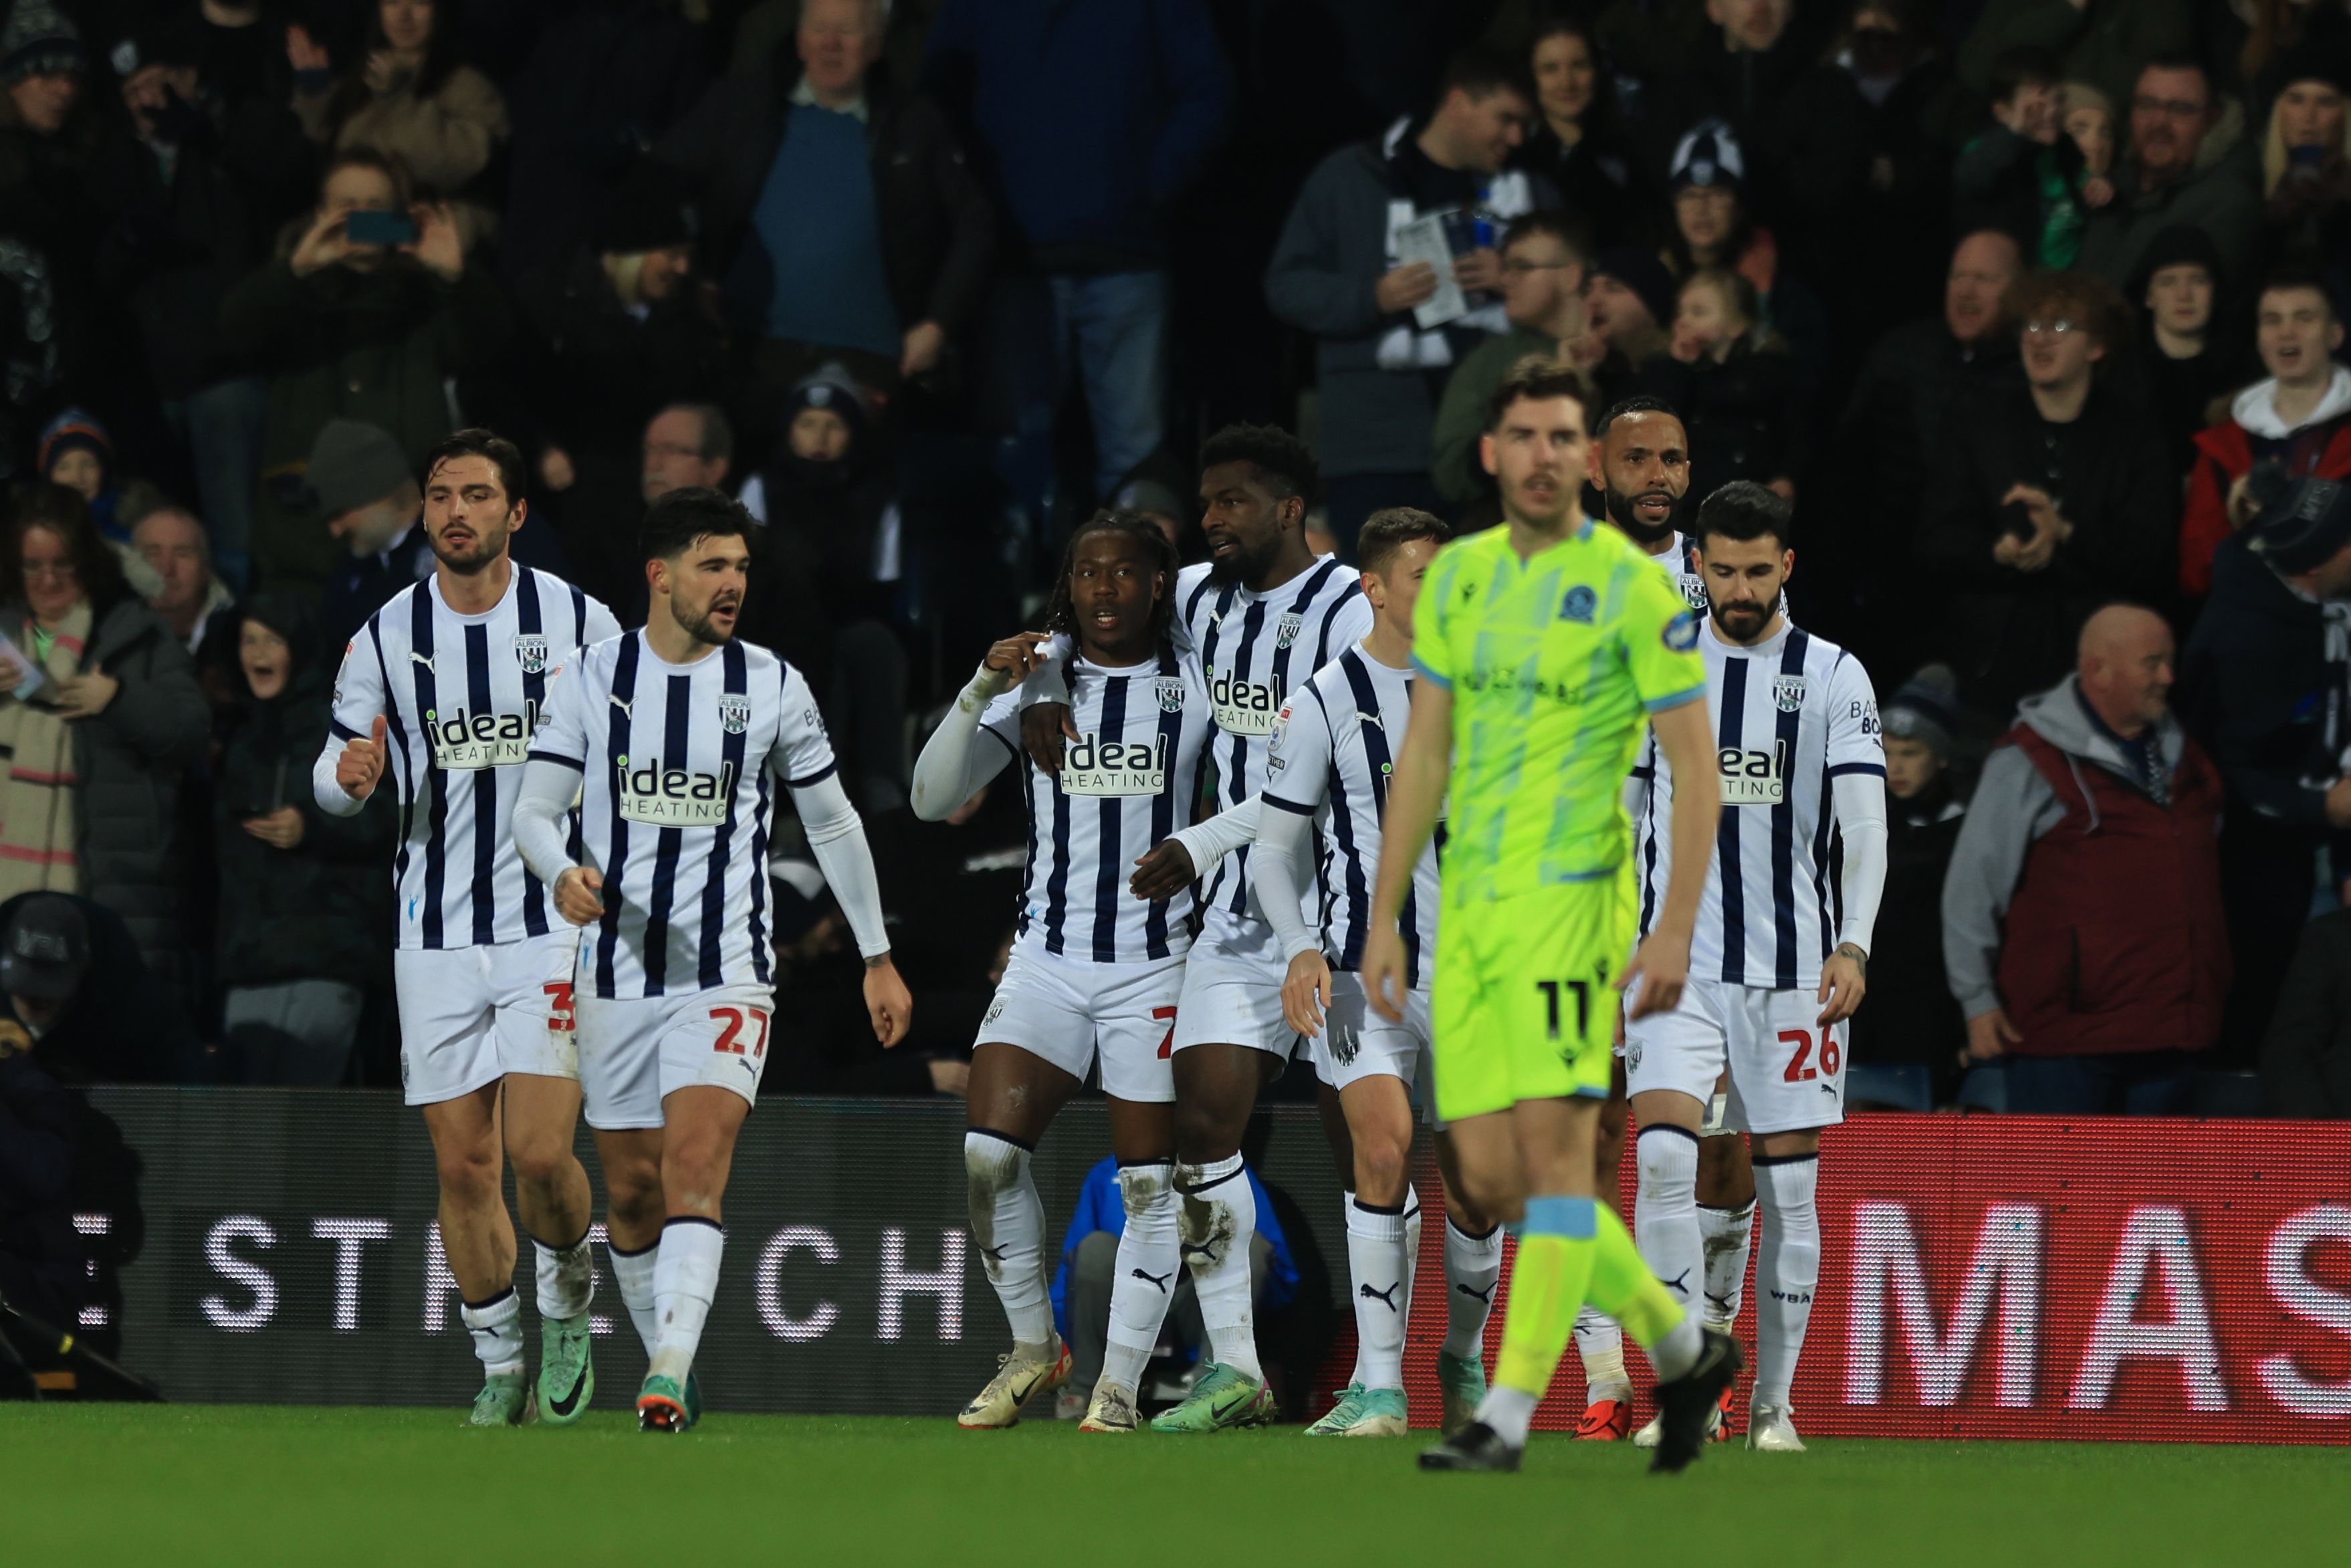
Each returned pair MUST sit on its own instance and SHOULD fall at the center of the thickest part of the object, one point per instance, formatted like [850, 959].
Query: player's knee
[468, 1173]
[540, 1164]
[1381, 1163]
[632, 1194]
[1202, 1136]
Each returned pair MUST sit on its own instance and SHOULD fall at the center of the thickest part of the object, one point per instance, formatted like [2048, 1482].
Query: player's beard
[1623, 510]
[697, 626]
[488, 545]
[1244, 565]
[1750, 620]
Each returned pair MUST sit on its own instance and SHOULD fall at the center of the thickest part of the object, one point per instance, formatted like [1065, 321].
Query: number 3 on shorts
[560, 1017]
[730, 1038]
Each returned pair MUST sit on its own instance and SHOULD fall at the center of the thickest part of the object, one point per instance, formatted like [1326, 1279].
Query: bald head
[1982, 267]
[2124, 658]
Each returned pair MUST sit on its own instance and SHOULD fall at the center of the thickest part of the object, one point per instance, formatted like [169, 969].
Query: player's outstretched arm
[1653, 981]
[547, 790]
[836, 836]
[348, 771]
[952, 766]
[1284, 841]
[1415, 794]
[1176, 863]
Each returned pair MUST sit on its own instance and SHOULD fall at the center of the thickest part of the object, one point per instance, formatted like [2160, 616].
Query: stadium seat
[1985, 1089]
[2226, 1094]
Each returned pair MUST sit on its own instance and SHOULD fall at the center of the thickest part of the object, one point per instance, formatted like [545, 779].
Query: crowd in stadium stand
[2032, 307]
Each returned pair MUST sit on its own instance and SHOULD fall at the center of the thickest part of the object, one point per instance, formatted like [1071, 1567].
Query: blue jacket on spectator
[1101, 1209]
[1089, 116]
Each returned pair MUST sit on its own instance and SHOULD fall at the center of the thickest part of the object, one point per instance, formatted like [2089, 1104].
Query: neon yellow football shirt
[1554, 663]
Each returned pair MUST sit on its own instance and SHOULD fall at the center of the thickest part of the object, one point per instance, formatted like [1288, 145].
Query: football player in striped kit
[1095, 975]
[1782, 940]
[1262, 614]
[676, 739]
[445, 687]
[1317, 825]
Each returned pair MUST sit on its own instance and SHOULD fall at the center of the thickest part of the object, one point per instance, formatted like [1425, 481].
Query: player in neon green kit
[1544, 645]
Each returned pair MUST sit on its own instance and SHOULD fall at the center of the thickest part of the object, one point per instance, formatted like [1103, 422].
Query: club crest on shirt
[733, 713]
[1788, 693]
[531, 653]
[1169, 690]
[1579, 605]
[1286, 630]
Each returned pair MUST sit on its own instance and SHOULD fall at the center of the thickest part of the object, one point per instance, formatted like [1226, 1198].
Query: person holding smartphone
[370, 306]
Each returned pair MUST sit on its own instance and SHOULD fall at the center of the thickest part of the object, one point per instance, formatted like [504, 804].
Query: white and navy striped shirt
[679, 765]
[1791, 715]
[461, 697]
[1332, 759]
[1131, 782]
[1255, 649]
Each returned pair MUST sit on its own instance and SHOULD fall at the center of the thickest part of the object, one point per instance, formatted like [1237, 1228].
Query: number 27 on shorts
[738, 1021]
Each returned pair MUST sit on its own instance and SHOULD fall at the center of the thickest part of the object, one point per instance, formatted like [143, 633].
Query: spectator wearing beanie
[842, 221]
[1912, 1019]
[828, 563]
[2298, 418]
[2190, 368]
[2264, 683]
[43, 68]
[77, 452]
[619, 332]
[2306, 162]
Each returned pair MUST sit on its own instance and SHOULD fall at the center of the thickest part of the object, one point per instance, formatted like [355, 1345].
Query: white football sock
[633, 1272]
[1411, 1249]
[1215, 1221]
[1601, 1342]
[1008, 1226]
[1347, 1217]
[567, 1278]
[686, 1278]
[1678, 1351]
[1787, 1271]
[1472, 1265]
[1509, 1411]
[497, 1327]
[1665, 1216]
[1148, 1264]
[1378, 1267]
[1725, 1234]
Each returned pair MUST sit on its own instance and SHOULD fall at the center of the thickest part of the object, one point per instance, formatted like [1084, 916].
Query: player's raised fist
[1016, 655]
[578, 895]
[362, 764]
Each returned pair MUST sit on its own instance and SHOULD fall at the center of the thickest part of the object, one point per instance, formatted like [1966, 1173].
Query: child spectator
[77, 452]
[2024, 174]
[2089, 124]
[300, 891]
[1728, 377]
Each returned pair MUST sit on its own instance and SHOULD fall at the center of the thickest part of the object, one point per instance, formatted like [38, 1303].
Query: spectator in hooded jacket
[1912, 1019]
[2082, 926]
[2267, 689]
[97, 745]
[842, 223]
[1087, 119]
[1336, 273]
[301, 898]
[2299, 418]
[2048, 500]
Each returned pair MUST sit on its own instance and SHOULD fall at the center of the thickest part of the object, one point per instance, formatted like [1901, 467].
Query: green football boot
[567, 1372]
[1462, 1380]
[504, 1401]
[1341, 1414]
[1222, 1398]
[662, 1405]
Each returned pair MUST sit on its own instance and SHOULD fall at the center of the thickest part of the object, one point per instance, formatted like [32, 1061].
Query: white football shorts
[469, 1016]
[1071, 1013]
[1232, 988]
[1787, 1073]
[1358, 1044]
[635, 1051]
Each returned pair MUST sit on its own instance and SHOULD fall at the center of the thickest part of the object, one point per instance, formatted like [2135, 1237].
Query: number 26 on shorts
[1799, 1068]
[730, 1038]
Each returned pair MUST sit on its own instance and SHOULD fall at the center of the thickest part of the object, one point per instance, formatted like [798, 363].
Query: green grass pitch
[186, 1485]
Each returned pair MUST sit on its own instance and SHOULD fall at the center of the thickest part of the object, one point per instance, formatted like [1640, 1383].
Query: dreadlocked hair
[1060, 610]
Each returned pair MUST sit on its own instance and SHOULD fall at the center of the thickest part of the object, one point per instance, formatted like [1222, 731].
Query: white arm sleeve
[1049, 682]
[1210, 842]
[951, 767]
[836, 838]
[1860, 823]
[359, 699]
[547, 790]
[1284, 840]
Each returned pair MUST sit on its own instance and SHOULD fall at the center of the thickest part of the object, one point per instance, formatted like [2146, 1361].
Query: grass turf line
[182, 1485]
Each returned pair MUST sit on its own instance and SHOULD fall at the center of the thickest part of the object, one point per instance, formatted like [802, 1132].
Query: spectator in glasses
[2186, 164]
[2049, 501]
